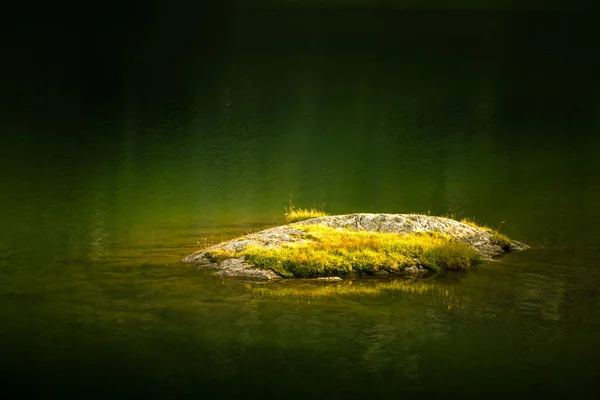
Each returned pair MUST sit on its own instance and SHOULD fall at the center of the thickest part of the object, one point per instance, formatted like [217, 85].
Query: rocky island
[333, 246]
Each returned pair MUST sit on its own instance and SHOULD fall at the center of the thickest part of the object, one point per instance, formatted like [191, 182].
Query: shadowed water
[112, 174]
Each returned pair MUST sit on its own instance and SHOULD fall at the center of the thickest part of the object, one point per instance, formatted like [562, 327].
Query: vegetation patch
[498, 238]
[340, 252]
[294, 214]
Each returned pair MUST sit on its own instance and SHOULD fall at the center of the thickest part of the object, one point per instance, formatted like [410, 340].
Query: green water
[116, 164]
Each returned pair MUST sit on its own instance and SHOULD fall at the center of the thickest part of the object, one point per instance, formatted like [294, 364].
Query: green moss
[342, 252]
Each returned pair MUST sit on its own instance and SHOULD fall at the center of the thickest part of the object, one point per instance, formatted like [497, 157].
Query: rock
[329, 278]
[480, 239]
[414, 269]
[515, 246]
[236, 267]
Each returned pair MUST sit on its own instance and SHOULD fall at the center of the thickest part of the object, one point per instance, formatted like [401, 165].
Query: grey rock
[236, 267]
[515, 246]
[414, 269]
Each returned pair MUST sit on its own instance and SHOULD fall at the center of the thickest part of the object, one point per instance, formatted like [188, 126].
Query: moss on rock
[342, 245]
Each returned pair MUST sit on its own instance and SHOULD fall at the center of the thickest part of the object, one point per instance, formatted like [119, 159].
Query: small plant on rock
[293, 214]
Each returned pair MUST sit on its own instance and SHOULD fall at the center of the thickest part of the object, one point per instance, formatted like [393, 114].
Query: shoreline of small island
[332, 247]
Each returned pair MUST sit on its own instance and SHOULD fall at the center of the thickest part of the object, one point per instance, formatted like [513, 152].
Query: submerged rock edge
[479, 238]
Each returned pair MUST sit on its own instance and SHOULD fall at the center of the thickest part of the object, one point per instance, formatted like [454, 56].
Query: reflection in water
[455, 170]
[98, 234]
[315, 289]
[377, 331]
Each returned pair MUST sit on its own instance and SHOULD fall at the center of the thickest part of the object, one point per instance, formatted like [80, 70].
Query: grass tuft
[340, 252]
[497, 237]
[293, 214]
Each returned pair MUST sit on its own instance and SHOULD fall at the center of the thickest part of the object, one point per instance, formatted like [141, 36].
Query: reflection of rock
[483, 240]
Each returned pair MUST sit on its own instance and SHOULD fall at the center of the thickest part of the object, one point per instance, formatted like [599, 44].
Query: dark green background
[130, 134]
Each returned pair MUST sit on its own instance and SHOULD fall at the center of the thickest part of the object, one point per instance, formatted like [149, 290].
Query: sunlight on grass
[294, 214]
[342, 252]
[499, 238]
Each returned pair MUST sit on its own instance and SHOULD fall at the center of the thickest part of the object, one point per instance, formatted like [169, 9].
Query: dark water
[123, 148]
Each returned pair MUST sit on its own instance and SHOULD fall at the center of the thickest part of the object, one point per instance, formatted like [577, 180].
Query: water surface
[118, 159]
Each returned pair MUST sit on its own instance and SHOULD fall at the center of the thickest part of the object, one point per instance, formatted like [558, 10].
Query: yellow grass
[339, 252]
[294, 214]
[497, 237]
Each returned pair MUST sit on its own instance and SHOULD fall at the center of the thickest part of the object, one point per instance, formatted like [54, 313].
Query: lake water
[120, 156]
